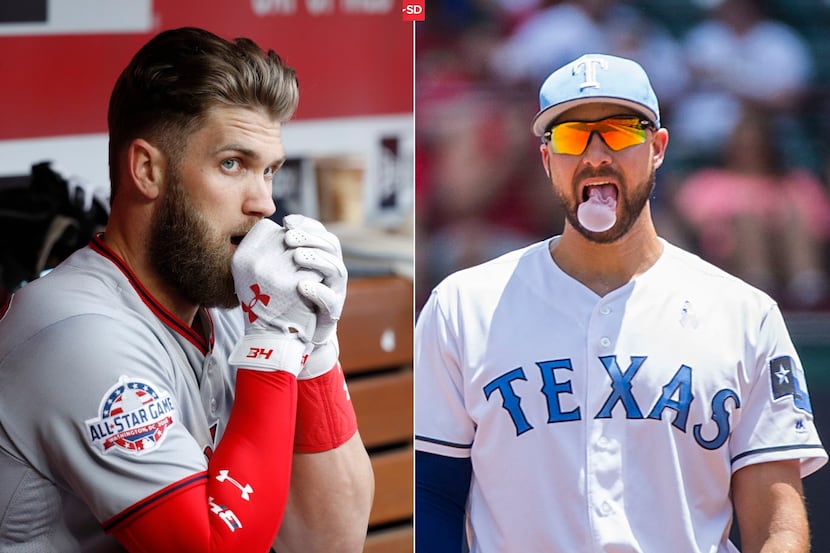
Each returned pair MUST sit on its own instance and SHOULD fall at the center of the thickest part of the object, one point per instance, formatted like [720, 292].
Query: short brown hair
[166, 90]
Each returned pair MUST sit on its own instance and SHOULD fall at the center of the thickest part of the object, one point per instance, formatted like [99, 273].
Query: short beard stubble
[629, 208]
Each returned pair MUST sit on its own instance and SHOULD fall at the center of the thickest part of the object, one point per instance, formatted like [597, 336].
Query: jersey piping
[442, 442]
[198, 478]
[774, 449]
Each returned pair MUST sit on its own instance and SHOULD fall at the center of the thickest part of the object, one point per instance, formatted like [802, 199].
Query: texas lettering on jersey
[676, 396]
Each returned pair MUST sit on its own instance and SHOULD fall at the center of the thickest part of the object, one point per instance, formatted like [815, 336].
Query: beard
[629, 207]
[188, 253]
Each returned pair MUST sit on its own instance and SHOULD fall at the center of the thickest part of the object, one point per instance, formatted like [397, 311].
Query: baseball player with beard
[174, 386]
[603, 390]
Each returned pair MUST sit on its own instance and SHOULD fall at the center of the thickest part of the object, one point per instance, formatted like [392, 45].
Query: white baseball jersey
[607, 423]
[105, 398]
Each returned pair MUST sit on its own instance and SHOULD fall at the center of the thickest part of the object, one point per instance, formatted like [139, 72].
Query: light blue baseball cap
[595, 78]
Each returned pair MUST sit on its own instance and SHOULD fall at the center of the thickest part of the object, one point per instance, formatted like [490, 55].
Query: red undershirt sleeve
[325, 414]
[239, 503]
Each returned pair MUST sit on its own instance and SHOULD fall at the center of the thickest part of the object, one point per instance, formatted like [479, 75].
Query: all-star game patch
[784, 382]
[134, 417]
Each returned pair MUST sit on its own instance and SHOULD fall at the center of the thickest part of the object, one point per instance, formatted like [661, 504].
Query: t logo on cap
[588, 67]
[624, 83]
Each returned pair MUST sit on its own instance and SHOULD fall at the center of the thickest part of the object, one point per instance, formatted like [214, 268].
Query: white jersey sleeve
[443, 425]
[775, 419]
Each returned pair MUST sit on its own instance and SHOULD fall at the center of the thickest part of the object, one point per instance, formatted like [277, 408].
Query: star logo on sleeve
[782, 375]
[784, 382]
[781, 371]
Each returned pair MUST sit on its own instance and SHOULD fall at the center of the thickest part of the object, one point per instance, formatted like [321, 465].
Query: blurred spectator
[476, 193]
[760, 219]
[563, 30]
[738, 54]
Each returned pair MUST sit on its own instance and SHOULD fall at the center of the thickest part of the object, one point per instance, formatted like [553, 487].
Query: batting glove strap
[270, 352]
[321, 360]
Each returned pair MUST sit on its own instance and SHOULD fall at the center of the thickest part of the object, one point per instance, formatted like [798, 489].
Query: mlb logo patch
[784, 382]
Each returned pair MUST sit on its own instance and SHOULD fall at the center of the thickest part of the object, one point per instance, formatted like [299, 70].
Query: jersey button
[213, 406]
[605, 310]
[604, 342]
[605, 508]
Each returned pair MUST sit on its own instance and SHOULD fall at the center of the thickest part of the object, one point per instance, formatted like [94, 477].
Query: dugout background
[350, 158]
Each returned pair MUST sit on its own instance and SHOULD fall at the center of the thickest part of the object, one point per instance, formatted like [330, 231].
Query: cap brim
[545, 117]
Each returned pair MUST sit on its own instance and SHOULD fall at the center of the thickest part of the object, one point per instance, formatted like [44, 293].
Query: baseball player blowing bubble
[603, 390]
[175, 386]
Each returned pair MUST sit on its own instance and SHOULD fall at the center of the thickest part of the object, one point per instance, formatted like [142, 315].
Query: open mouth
[602, 191]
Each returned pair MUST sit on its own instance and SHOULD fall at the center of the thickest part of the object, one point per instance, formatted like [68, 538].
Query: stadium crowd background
[744, 87]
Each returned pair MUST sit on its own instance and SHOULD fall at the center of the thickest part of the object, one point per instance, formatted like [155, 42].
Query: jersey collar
[165, 316]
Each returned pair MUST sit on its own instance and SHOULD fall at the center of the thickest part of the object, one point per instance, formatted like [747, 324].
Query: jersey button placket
[603, 324]
[604, 451]
[606, 486]
[211, 385]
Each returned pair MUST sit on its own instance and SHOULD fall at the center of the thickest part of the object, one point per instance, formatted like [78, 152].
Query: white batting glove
[321, 359]
[279, 322]
[317, 249]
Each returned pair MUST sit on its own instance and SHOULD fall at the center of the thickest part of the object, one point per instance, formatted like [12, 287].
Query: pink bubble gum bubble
[596, 216]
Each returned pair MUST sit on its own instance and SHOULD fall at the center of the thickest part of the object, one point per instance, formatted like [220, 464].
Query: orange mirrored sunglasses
[618, 132]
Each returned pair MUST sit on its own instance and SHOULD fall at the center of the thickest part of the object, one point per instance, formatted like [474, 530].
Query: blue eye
[230, 164]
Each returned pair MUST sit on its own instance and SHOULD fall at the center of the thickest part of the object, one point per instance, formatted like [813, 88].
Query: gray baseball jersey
[105, 398]
[606, 423]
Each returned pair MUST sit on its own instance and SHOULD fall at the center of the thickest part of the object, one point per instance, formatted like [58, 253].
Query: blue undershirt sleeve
[442, 485]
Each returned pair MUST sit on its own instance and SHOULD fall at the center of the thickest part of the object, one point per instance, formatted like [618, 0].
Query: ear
[146, 164]
[659, 144]
[543, 149]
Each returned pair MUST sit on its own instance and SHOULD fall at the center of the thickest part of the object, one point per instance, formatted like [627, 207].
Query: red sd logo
[413, 10]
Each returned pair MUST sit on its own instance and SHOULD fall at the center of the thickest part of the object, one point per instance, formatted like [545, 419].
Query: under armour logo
[258, 297]
[246, 490]
[588, 67]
